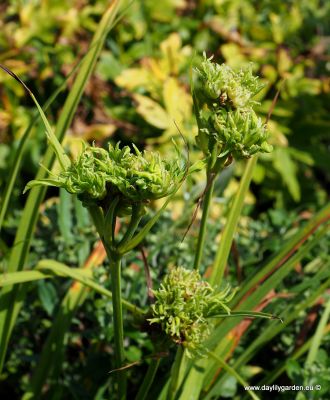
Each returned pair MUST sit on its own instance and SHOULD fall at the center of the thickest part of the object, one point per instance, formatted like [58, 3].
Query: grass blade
[245, 314]
[12, 297]
[232, 372]
[288, 316]
[51, 268]
[63, 270]
[52, 354]
[148, 379]
[317, 338]
[20, 150]
[13, 278]
[272, 331]
[271, 283]
[290, 247]
[56, 145]
[231, 225]
[225, 326]
[280, 369]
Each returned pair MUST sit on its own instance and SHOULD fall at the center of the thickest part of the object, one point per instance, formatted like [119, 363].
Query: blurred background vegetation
[140, 86]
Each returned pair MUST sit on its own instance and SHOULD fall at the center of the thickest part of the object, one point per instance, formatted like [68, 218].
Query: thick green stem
[98, 219]
[148, 379]
[115, 269]
[202, 230]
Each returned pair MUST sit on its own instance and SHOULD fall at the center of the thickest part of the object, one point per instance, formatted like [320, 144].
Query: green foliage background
[141, 84]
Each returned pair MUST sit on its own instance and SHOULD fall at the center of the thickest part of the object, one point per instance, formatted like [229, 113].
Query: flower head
[233, 88]
[132, 175]
[241, 134]
[228, 125]
[183, 306]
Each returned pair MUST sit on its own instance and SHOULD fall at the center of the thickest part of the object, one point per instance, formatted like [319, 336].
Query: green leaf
[152, 112]
[197, 166]
[246, 314]
[295, 243]
[229, 388]
[50, 358]
[41, 182]
[251, 301]
[12, 278]
[273, 328]
[293, 369]
[287, 169]
[47, 295]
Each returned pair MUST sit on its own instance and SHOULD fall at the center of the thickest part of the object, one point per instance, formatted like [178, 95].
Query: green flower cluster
[235, 89]
[227, 121]
[242, 134]
[183, 308]
[134, 176]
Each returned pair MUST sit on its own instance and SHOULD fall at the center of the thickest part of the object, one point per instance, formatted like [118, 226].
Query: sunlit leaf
[152, 112]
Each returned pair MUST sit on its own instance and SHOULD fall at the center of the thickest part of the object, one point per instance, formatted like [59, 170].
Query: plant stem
[98, 219]
[148, 379]
[176, 374]
[202, 230]
[110, 221]
[115, 269]
[134, 223]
